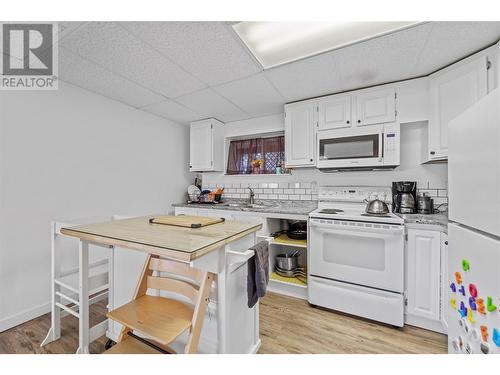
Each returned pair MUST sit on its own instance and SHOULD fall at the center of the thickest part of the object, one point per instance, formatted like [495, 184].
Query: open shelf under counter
[282, 241]
[292, 287]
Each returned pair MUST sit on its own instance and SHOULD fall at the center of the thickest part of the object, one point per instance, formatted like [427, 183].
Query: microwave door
[362, 150]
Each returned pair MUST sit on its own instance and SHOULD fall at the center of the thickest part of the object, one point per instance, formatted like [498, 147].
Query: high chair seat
[159, 318]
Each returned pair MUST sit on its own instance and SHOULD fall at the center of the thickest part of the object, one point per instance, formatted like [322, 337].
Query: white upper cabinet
[375, 106]
[206, 146]
[452, 91]
[358, 108]
[334, 112]
[300, 134]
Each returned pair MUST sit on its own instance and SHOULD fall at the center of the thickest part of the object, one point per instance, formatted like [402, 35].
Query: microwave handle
[380, 145]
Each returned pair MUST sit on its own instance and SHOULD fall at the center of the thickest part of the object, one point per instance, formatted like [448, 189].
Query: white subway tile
[278, 191]
[283, 196]
[300, 191]
[314, 197]
[244, 184]
[306, 185]
[268, 191]
[442, 193]
[262, 196]
[305, 197]
[241, 191]
[258, 191]
[283, 185]
[308, 191]
[273, 196]
[288, 191]
[263, 185]
[294, 197]
[294, 185]
[253, 185]
[272, 185]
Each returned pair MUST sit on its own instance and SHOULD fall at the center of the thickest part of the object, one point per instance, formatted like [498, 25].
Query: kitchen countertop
[431, 222]
[270, 206]
[169, 241]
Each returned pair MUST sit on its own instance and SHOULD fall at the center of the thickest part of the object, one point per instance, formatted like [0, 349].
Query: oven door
[362, 253]
[351, 148]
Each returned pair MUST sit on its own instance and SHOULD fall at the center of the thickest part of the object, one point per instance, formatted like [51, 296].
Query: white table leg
[83, 257]
[55, 326]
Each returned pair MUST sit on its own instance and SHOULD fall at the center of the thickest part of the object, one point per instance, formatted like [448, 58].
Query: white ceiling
[185, 71]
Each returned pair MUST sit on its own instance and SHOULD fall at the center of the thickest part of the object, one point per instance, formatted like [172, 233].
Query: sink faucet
[251, 197]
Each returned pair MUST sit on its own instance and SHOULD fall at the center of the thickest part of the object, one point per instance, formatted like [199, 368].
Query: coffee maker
[404, 197]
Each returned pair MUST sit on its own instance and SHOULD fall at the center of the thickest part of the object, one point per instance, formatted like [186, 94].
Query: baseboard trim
[24, 316]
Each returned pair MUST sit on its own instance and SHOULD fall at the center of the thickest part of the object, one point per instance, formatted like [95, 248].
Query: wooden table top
[180, 243]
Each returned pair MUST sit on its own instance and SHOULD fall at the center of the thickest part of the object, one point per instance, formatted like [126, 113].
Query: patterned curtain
[271, 151]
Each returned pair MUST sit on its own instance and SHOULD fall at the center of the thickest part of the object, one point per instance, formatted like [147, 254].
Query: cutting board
[186, 221]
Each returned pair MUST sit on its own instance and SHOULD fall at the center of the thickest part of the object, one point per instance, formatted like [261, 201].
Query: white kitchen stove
[348, 203]
[356, 261]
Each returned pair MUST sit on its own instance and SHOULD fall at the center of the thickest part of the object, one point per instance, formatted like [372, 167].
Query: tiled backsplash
[438, 195]
[304, 191]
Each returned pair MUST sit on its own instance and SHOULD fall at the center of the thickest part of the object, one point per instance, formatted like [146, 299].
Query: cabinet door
[444, 279]
[201, 146]
[300, 134]
[375, 107]
[451, 93]
[424, 273]
[334, 112]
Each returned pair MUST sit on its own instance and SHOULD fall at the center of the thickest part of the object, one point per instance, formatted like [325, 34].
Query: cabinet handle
[433, 152]
[359, 121]
[348, 122]
[310, 159]
[446, 242]
[190, 166]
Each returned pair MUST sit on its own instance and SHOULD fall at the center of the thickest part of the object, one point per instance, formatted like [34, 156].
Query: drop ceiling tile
[318, 75]
[80, 72]
[384, 59]
[255, 95]
[111, 46]
[171, 110]
[208, 50]
[454, 41]
[210, 104]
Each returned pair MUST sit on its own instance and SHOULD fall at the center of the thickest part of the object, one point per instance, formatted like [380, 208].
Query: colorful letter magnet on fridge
[458, 277]
[465, 265]
[473, 290]
[489, 304]
[496, 337]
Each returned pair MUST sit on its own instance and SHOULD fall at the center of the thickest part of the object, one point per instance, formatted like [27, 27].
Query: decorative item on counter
[257, 165]
[278, 169]
[218, 194]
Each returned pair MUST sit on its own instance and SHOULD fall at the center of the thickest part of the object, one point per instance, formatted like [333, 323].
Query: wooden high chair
[160, 320]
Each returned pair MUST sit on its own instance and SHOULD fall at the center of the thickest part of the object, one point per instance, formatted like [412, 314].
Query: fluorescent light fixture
[276, 43]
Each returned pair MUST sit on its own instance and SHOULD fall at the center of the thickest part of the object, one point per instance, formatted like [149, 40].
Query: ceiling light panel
[276, 43]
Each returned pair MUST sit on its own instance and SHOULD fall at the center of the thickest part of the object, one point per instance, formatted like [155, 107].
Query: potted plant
[257, 165]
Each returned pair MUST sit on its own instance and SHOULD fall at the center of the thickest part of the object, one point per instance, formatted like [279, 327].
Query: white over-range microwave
[367, 147]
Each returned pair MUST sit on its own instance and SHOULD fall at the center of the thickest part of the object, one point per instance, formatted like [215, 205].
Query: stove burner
[376, 215]
[330, 211]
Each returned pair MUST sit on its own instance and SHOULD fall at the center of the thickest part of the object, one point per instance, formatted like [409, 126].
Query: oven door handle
[392, 229]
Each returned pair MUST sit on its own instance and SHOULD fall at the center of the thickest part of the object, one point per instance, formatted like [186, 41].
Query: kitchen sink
[246, 205]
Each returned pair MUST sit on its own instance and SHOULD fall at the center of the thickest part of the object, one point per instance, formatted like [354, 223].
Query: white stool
[66, 289]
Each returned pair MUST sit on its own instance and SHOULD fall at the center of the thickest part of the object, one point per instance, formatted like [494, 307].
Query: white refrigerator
[473, 298]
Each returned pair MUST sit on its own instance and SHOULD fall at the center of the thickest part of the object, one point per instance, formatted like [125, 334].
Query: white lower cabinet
[423, 280]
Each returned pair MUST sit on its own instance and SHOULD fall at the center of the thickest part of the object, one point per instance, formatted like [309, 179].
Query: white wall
[413, 139]
[70, 154]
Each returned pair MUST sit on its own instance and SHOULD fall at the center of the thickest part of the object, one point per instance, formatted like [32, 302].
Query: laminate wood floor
[287, 325]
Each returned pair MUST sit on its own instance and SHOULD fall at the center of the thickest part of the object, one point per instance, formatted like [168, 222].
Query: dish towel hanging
[258, 273]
